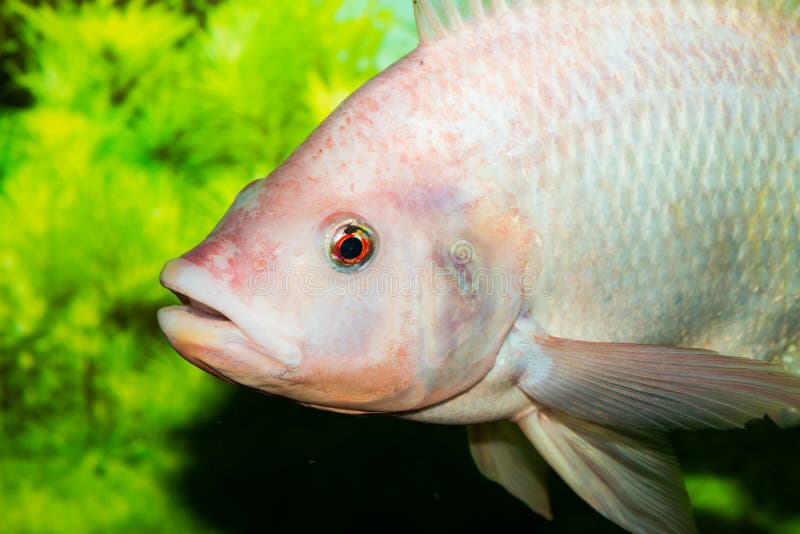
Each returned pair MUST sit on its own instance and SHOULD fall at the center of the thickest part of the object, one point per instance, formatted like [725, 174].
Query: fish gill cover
[125, 129]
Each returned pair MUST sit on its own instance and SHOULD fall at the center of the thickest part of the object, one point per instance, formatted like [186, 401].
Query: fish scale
[702, 143]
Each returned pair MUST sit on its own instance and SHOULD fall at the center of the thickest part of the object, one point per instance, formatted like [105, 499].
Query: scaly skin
[659, 145]
[657, 149]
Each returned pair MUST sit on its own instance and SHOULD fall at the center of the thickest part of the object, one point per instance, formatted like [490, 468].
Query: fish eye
[351, 244]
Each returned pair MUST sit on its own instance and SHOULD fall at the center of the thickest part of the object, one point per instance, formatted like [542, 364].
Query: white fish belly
[666, 178]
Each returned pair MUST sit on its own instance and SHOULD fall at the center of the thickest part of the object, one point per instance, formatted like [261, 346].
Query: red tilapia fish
[570, 225]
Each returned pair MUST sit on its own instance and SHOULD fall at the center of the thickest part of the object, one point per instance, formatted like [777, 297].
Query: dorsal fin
[437, 18]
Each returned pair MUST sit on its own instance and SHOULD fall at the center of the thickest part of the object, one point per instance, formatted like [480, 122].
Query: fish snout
[213, 330]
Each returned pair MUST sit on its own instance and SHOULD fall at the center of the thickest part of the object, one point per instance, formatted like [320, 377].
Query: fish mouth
[209, 337]
[200, 308]
[172, 277]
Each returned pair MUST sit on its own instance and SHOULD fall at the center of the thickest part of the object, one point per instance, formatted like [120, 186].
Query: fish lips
[213, 341]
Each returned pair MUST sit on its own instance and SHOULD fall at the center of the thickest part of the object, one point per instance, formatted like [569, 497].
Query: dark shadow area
[261, 464]
[762, 458]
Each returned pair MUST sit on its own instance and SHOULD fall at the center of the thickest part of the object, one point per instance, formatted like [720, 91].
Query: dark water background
[261, 463]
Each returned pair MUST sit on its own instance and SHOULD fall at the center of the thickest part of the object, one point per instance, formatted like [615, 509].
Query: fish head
[364, 274]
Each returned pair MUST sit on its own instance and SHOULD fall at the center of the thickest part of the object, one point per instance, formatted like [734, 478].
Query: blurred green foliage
[144, 121]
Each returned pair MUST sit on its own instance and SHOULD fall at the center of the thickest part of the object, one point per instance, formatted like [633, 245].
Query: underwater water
[126, 128]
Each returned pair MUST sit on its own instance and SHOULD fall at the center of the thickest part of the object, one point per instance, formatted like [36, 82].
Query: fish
[570, 225]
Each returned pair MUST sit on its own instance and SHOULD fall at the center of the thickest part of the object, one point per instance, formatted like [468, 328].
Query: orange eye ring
[352, 244]
[351, 248]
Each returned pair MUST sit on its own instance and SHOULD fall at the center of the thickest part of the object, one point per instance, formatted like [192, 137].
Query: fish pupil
[351, 248]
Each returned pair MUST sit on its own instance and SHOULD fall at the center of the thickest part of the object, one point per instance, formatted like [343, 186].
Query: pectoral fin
[650, 386]
[629, 476]
[503, 454]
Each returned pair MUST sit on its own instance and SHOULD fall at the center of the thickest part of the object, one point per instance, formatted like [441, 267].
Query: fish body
[521, 226]
[678, 130]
